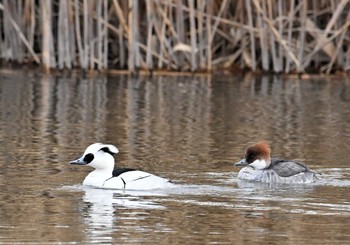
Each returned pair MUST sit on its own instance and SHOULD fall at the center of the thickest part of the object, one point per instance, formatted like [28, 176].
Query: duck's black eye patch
[250, 156]
[106, 149]
[88, 158]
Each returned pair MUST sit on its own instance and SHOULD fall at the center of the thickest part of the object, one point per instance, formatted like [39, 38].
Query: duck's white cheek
[258, 164]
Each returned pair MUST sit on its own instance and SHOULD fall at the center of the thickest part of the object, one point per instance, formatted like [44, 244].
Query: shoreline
[9, 68]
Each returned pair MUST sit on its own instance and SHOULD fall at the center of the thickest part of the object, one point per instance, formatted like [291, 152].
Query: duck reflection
[98, 200]
[100, 208]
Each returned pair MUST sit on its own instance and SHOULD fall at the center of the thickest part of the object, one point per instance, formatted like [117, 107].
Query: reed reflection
[184, 119]
[170, 116]
[184, 129]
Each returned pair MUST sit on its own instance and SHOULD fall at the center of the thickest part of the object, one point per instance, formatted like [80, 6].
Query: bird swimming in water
[259, 166]
[101, 158]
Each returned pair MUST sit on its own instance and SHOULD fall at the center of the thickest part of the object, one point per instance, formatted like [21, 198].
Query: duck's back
[135, 180]
[286, 168]
[280, 171]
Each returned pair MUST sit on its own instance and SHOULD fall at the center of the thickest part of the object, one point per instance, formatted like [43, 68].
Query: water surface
[187, 129]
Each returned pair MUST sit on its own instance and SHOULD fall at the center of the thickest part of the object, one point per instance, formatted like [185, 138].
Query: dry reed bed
[194, 35]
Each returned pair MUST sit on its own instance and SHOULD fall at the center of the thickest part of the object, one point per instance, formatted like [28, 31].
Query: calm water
[189, 130]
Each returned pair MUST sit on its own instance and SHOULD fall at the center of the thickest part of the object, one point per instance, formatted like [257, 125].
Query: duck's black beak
[242, 162]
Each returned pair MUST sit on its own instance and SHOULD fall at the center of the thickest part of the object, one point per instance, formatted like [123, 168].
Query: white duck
[100, 157]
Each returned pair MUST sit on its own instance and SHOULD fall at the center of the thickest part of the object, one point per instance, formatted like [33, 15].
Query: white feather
[137, 180]
[259, 164]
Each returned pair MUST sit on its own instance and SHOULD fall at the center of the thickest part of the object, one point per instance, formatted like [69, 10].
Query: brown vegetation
[187, 35]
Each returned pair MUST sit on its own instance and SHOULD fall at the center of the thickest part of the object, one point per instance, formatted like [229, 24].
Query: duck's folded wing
[288, 168]
[135, 180]
[135, 175]
[119, 171]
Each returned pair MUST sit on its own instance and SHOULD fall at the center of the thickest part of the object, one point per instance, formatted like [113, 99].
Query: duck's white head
[257, 156]
[98, 156]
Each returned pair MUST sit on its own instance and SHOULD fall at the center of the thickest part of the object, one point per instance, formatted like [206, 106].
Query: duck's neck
[261, 163]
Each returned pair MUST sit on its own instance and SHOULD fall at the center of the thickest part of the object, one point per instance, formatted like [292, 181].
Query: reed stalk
[252, 61]
[193, 36]
[46, 35]
[186, 35]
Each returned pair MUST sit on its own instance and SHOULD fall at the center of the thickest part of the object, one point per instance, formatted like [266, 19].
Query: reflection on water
[100, 209]
[187, 129]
